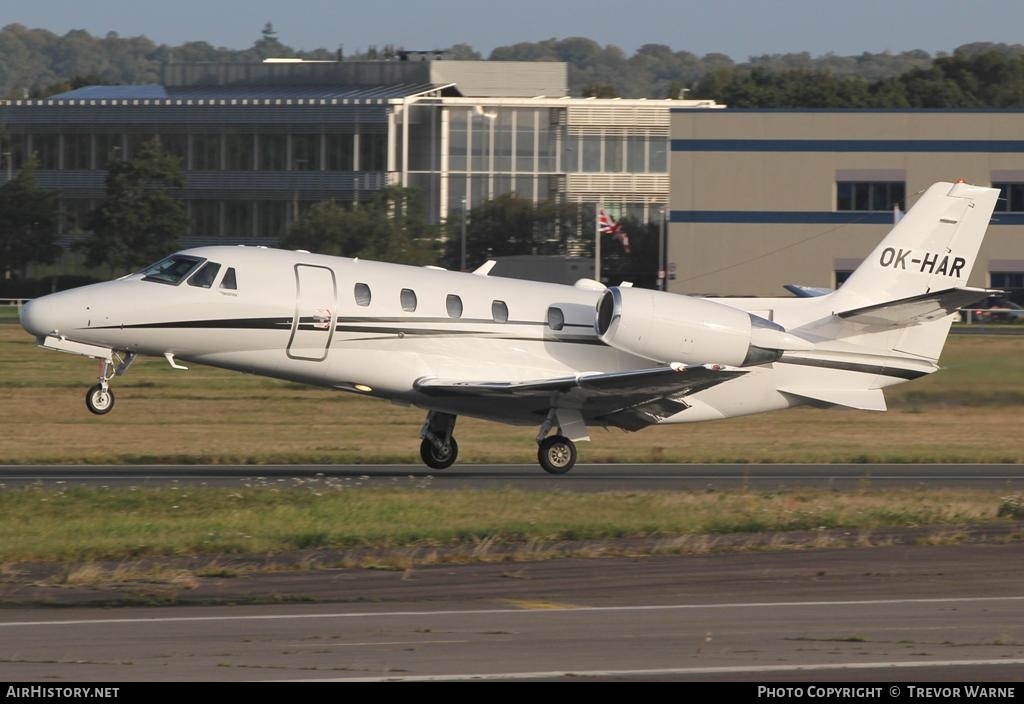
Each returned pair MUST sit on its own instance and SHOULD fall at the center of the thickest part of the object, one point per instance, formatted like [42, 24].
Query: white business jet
[564, 358]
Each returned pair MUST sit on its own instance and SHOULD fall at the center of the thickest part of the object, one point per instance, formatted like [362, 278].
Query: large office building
[762, 198]
[259, 143]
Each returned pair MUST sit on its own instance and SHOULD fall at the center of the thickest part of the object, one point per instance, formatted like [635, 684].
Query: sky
[739, 28]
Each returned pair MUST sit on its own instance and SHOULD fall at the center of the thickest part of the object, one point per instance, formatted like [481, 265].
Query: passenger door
[316, 295]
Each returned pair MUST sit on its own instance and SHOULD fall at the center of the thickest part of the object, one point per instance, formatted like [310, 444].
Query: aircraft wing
[916, 309]
[630, 399]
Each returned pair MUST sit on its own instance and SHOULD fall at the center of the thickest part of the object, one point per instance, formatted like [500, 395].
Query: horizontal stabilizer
[861, 399]
[916, 309]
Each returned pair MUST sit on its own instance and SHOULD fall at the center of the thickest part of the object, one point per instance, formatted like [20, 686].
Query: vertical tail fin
[933, 247]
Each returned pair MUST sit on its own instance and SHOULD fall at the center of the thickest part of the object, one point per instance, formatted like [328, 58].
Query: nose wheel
[99, 399]
[556, 454]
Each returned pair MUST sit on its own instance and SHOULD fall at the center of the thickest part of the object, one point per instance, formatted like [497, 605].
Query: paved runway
[895, 613]
[585, 477]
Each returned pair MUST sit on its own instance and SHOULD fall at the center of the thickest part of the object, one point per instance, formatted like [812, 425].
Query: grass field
[90, 524]
[969, 412]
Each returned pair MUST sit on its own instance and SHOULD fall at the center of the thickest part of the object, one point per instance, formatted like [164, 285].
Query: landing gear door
[316, 296]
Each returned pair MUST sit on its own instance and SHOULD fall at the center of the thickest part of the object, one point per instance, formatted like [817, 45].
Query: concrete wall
[753, 193]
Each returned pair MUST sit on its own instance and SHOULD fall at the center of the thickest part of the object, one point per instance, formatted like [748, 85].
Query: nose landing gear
[99, 399]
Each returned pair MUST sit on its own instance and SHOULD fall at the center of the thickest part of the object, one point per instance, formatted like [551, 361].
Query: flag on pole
[607, 226]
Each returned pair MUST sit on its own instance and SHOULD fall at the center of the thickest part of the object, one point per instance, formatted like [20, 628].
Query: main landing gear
[99, 399]
[438, 448]
[556, 453]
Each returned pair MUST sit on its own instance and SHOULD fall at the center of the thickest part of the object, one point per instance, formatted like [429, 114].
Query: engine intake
[669, 327]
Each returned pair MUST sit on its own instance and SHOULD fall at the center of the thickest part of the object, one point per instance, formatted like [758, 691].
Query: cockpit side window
[206, 275]
[230, 283]
[172, 270]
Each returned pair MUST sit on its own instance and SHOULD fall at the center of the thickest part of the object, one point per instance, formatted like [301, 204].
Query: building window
[273, 152]
[373, 152]
[305, 152]
[872, 196]
[499, 311]
[1011, 198]
[408, 298]
[45, 148]
[613, 149]
[238, 218]
[273, 218]
[1006, 279]
[362, 295]
[108, 149]
[453, 304]
[239, 152]
[206, 217]
[524, 139]
[556, 318]
[503, 132]
[659, 155]
[206, 152]
[77, 151]
[340, 152]
[636, 154]
[457, 136]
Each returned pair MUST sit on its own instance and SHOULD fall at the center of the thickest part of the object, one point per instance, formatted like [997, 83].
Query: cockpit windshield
[172, 270]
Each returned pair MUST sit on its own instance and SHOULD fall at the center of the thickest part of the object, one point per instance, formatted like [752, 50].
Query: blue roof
[158, 92]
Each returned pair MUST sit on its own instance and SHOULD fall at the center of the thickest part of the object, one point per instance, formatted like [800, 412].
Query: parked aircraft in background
[563, 358]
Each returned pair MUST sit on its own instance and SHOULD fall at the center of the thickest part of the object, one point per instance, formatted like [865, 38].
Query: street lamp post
[462, 266]
[662, 274]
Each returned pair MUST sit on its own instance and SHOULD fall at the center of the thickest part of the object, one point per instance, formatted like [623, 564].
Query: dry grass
[967, 413]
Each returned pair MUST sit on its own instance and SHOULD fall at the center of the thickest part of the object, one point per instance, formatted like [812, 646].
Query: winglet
[485, 268]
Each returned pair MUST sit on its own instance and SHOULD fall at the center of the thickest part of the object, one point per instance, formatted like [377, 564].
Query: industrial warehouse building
[262, 142]
[761, 198]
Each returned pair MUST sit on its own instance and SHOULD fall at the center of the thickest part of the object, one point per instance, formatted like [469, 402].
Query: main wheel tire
[439, 459]
[99, 400]
[557, 454]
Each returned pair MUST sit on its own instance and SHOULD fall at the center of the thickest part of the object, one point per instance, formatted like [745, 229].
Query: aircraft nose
[41, 316]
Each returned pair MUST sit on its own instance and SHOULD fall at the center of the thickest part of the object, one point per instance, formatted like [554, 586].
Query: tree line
[36, 63]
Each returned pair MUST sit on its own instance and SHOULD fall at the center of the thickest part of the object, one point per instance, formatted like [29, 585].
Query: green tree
[28, 222]
[505, 226]
[390, 227]
[138, 221]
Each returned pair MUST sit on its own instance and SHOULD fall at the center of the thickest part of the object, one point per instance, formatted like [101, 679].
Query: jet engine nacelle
[669, 327]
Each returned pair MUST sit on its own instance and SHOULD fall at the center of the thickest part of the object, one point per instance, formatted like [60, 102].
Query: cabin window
[362, 293]
[499, 311]
[556, 318]
[206, 275]
[408, 300]
[454, 306]
[172, 270]
[229, 283]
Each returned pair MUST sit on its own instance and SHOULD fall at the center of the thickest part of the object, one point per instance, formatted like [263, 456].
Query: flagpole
[597, 242]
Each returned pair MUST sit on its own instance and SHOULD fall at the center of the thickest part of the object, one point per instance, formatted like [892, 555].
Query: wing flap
[674, 380]
[860, 399]
[916, 309]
